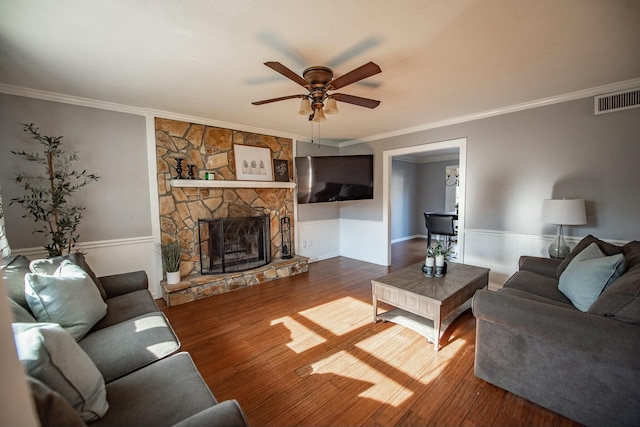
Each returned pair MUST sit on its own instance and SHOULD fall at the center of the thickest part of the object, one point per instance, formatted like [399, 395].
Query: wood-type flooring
[304, 351]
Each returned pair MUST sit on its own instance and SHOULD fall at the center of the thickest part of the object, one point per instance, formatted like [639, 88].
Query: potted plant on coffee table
[439, 253]
[171, 256]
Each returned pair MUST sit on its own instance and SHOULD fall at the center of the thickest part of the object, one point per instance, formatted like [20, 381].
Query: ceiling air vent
[617, 101]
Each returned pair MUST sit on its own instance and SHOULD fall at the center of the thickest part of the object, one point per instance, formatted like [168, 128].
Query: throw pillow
[621, 300]
[50, 265]
[53, 410]
[52, 356]
[68, 297]
[607, 248]
[588, 274]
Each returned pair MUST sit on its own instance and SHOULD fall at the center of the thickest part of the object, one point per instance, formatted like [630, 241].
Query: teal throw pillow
[52, 356]
[67, 297]
[588, 274]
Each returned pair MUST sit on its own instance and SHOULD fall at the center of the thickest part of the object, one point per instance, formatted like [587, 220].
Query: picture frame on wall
[281, 170]
[253, 163]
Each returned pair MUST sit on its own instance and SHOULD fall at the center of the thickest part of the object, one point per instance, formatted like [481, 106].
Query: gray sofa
[532, 341]
[138, 376]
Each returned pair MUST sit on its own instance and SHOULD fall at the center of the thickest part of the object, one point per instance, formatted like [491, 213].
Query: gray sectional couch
[124, 369]
[583, 363]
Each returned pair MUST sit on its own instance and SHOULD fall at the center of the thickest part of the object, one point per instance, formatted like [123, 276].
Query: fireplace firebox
[234, 244]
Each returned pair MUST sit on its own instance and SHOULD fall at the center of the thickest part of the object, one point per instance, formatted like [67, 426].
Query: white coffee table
[427, 305]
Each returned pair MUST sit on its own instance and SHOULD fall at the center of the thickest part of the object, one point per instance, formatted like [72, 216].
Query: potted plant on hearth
[171, 256]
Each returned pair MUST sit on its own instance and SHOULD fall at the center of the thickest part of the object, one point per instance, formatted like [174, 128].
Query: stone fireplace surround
[183, 202]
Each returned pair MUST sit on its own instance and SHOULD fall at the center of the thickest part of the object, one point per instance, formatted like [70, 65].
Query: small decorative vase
[173, 277]
[427, 268]
[439, 266]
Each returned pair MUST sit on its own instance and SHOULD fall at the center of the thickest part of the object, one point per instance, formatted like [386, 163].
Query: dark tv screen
[334, 178]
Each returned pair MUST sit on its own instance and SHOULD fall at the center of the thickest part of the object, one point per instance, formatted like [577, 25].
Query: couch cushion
[50, 265]
[588, 274]
[68, 297]
[127, 306]
[537, 284]
[535, 297]
[20, 314]
[621, 300]
[52, 356]
[52, 409]
[127, 346]
[12, 276]
[161, 394]
[607, 248]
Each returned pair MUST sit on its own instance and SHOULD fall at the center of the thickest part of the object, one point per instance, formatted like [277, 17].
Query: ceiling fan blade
[355, 100]
[276, 66]
[362, 72]
[282, 98]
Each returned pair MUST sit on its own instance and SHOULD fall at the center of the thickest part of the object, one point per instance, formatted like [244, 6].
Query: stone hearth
[198, 286]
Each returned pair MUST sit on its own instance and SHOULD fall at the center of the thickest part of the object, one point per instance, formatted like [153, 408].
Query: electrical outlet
[310, 242]
[304, 243]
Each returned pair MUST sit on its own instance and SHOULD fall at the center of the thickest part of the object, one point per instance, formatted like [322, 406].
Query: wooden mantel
[200, 183]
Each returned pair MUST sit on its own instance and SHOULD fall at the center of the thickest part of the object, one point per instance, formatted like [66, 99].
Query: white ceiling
[440, 59]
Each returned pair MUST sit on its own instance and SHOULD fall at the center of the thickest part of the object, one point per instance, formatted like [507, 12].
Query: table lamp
[562, 212]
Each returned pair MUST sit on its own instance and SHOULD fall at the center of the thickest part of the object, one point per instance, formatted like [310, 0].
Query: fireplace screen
[234, 244]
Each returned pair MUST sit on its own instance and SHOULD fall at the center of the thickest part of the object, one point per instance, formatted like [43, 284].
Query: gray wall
[110, 144]
[404, 198]
[516, 160]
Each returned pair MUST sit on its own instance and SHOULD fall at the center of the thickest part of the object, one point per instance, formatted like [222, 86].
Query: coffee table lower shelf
[419, 324]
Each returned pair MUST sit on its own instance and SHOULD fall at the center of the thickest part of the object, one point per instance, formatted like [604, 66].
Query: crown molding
[121, 108]
[572, 96]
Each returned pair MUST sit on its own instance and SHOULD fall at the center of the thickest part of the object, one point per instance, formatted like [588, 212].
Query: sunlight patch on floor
[302, 338]
[351, 312]
[350, 369]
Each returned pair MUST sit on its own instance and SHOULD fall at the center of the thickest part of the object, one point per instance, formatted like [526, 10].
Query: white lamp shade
[564, 211]
[319, 115]
[305, 107]
[332, 107]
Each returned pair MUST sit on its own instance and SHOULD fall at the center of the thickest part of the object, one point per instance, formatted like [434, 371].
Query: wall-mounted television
[334, 178]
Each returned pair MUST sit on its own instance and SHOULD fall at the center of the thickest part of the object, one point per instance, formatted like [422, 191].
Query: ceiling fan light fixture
[305, 107]
[332, 107]
[319, 115]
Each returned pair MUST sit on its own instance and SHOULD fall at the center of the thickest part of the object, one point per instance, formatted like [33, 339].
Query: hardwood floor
[304, 351]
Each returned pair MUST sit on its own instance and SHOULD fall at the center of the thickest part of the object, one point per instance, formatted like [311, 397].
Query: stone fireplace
[186, 202]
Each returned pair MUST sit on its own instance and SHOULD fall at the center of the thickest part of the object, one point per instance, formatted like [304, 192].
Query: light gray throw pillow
[588, 274]
[52, 356]
[68, 297]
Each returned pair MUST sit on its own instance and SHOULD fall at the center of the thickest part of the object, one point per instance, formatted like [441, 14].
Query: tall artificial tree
[47, 196]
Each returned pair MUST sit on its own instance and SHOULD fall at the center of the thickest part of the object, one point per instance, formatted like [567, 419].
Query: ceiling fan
[319, 82]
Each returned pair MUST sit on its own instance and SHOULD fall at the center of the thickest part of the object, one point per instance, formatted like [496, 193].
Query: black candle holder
[179, 169]
[191, 173]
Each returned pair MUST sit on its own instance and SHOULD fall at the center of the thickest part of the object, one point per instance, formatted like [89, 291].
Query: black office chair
[442, 225]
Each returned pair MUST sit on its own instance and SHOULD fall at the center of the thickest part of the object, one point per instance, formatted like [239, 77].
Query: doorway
[430, 149]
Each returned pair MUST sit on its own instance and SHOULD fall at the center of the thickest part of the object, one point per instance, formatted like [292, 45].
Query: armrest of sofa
[120, 284]
[224, 414]
[546, 266]
[607, 339]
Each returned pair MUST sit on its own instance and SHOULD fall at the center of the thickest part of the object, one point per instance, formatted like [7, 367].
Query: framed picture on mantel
[281, 170]
[253, 163]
